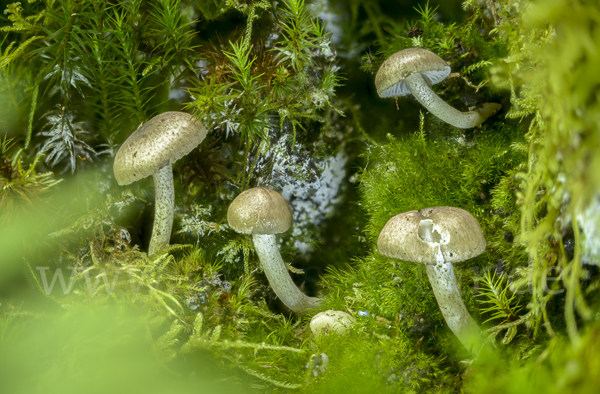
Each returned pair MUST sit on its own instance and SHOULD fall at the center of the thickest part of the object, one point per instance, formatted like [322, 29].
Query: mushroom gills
[400, 89]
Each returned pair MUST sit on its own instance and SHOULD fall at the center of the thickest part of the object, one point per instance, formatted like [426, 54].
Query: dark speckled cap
[390, 76]
[162, 140]
[420, 236]
[259, 210]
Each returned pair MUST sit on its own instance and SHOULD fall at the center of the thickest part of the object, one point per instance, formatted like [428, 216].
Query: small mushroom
[413, 70]
[438, 237]
[263, 213]
[328, 321]
[151, 150]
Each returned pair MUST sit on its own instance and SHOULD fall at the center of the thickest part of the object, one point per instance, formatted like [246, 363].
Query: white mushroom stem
[427, 97]
[278, 276]
[164, 206]
[443, 282]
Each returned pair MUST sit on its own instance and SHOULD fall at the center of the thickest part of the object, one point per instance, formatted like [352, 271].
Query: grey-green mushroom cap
[420, 236]
[389, 80]
[259, 210]
[161, 141]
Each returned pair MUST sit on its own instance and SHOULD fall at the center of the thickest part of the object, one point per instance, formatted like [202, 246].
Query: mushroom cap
[390, 76]
[331, 320]
[259, 210]
[430, 234]
[161, 141]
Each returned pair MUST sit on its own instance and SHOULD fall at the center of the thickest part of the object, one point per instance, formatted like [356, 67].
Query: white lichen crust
[164, 209]
[464, 120]
[278, 275]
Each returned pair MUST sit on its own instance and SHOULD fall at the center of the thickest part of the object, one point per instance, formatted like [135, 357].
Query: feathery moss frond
[497, 299]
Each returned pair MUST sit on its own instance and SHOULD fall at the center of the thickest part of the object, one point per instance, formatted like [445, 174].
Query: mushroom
[331, 320]
[263, 212]
[438, 237]
[413, 70]
[151, 150]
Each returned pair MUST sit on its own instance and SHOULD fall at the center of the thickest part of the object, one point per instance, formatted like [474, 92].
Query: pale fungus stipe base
[445, 288]
[151, 150]
[164, 195]
[413, 71]
[439, 237]
[428, 99]
[278, 276]
[263, 212]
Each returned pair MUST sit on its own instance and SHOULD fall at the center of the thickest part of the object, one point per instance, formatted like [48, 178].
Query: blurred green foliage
[83, 308]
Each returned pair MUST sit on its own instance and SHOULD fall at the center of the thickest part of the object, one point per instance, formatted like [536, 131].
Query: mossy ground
[292, 106]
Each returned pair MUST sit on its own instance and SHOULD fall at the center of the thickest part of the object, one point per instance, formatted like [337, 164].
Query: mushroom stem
[278, 276]
[164, 205]
[427, 97]
[443, 282]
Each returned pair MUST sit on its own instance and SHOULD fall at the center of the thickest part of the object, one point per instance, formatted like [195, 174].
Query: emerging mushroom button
[263, 212]
[151, 150]
[438, 237]
[412, 71]
[331, 321]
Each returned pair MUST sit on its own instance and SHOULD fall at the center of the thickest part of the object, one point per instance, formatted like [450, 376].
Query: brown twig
[465, 21]
[396, 35]
[476, 87]
[495, 12]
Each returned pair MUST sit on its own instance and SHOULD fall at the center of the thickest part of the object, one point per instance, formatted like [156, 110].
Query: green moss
[77, 77]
